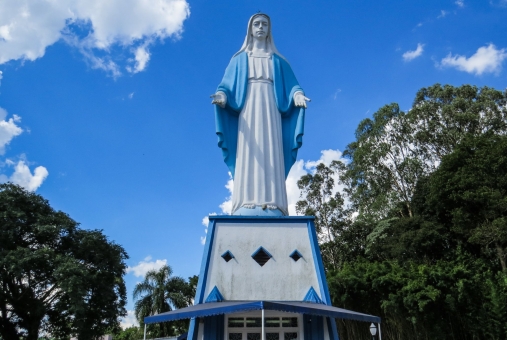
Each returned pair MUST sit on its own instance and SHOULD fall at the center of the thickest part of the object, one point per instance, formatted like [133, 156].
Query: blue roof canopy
[229, 307]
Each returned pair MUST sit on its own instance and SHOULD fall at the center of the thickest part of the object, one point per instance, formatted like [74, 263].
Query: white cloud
[131, 95]
[499, 3]
[103, 62]
[205, 223]
[226, 206]
[8, 129]
[336, 93]
[411, 55]
[460, 3]
[442, 14]
[145, 266]
[487, 59]
[291, 183]
[1, 76]
[129, 320]
[23, 176]
[299, 169]
[94, 26]
[326, 157]
[141, 56]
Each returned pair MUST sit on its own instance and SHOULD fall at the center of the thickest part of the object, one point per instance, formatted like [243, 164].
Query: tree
[395, 149]
[320, 201]
[339, 237]
[130, 333]
[425, 275]
[161, 292]
[56, 278]
[385, 163]
[442, 116]
[426, 248]
[469, 191]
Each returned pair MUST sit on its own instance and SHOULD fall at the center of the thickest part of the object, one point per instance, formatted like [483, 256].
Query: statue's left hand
[219, 98]
[300, 99]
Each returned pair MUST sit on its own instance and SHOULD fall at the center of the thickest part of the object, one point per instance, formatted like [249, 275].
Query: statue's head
[259, 27]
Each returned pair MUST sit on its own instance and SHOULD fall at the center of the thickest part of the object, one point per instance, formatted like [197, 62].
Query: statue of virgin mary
[259, 115]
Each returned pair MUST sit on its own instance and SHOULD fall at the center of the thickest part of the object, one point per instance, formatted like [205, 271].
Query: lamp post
[373, 330]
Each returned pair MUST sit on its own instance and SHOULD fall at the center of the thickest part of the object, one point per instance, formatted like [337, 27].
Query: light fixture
[373, 330]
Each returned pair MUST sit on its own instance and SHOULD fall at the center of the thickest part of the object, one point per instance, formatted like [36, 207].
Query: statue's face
[260, 27]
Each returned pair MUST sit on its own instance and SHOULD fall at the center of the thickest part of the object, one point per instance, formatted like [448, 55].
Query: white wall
[279, 279]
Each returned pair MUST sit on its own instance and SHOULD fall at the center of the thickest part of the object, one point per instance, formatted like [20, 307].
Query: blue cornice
[260, 219]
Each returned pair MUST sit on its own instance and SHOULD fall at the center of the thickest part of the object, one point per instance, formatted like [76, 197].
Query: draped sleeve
[234, 85]
[293, 117]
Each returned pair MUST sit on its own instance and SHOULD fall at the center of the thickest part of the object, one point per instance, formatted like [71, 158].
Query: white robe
[260, 173]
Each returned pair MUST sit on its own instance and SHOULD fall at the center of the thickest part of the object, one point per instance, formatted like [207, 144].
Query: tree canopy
[420, 234]
[57, 280]
[161, 292]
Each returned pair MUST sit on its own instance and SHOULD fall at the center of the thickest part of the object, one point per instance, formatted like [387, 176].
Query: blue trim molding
[321, 274]
[205, 310]
[203, 276]
[214, 296]
[259, 219]
[206, 258]
[192, 333]
[312, 296]
[319, 266]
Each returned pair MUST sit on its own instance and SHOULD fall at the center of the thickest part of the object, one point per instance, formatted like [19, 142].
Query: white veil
[247, 44]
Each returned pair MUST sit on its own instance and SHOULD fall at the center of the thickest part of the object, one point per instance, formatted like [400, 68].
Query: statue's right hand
[219, 99]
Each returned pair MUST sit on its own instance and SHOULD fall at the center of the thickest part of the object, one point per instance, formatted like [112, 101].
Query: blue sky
[105, 106]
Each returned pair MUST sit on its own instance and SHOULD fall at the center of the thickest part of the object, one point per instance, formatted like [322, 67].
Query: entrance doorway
[276, 327]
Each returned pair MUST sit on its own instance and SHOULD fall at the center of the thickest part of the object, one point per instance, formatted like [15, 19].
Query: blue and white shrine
[262, 276]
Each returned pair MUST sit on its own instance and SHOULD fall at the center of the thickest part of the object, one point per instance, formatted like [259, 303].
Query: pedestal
[254, 258]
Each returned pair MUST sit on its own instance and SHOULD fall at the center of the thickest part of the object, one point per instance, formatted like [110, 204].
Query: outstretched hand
[300, 100]
[219, 99]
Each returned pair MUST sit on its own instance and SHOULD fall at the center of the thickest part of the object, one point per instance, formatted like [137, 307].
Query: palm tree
[161, 292]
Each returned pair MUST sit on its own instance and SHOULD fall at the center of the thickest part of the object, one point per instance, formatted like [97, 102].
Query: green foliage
[56, 278]
[447, 299]
[161, 292]
[320, 202]
[395, 149]
[444, 115]
[469, 192]
[426, 248]
[131, 333]
[386, 163]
